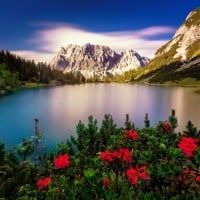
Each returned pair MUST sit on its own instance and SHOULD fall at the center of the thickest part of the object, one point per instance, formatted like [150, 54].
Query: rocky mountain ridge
[185, 44]
[176, 60]
[96, 61]
[175, 56]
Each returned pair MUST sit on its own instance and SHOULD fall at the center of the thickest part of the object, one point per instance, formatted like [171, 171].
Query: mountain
[185, 44]
[95, 61]
[173, 59]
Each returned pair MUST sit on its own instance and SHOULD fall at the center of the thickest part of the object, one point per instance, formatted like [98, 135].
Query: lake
[59, 109]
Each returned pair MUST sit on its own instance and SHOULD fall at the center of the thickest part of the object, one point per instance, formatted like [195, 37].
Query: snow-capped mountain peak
[182, 43]
[96, 60]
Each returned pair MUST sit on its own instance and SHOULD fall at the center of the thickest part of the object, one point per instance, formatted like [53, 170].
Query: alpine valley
[178, 61]
[174, 62]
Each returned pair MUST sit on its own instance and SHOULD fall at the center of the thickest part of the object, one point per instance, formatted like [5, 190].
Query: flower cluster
[134, 174]
[130, 134]
[62, 161]
[43, 183]
[197, 179]
[186, 175]
[106, 183]
[188, 145]
[122, 154]
[107, 156]
[166, 126]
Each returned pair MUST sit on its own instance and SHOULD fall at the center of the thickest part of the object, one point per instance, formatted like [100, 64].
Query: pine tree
[107, 129]
[191, 130]
[173, 120]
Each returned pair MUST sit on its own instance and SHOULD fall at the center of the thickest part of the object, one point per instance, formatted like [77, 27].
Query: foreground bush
[106, 163]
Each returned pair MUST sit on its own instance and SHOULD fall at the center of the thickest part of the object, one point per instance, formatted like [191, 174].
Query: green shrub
[108, 162]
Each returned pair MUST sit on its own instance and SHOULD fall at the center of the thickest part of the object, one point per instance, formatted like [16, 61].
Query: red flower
[142, 173]
[125, 155]
[198, 179]
[130, 134]
[106, 183]
[166, 126]
[132, 176]
[121, 154]
[186, 176]
[188, 145]
[62, 161]
[135, 174]
[107, 156]
[43, 183]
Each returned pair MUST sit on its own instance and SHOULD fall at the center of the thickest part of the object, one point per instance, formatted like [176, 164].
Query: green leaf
[89, 173]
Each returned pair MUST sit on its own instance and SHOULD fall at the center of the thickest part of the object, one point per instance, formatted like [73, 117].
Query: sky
[37, 29]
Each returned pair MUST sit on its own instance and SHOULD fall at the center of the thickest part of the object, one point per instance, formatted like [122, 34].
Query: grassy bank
[197, 91]
[189, 82]
[186, 82]
[33, 85]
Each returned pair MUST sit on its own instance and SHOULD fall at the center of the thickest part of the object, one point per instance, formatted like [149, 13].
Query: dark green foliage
[163, 74]
[108, 128]
[16, 71]
[8, 81]
[2, 153]
[146, 121]
[171, 73]
[173, 120]
[25, 149]
[87, 137]
[191, 130]
[27, 70]
[128, 124]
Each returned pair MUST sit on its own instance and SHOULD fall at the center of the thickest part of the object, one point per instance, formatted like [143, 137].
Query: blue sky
[36, 29]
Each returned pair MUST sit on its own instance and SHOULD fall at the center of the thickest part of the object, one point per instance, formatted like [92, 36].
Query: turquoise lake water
[60, 108]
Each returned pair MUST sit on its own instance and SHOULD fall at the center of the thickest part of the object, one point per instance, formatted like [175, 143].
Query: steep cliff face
[129, 60]
[172, 60]
[184, 45]
[96, 61]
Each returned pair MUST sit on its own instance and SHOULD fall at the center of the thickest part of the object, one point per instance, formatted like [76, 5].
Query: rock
[95, 61]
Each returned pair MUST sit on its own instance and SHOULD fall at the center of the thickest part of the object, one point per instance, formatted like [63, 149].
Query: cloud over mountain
[48, 39]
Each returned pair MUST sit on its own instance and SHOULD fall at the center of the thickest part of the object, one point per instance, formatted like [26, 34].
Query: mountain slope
[95, 61]
[179, 51]
[186, 39]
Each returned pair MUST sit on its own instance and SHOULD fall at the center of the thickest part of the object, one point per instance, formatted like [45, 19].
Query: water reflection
[60, 108]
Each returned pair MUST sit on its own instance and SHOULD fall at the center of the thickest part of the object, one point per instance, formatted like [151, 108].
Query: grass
[197, 91]
[184, 82]
[34, 85]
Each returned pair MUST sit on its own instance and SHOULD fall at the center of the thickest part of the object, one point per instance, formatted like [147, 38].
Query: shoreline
[30, 85]
[171, 84]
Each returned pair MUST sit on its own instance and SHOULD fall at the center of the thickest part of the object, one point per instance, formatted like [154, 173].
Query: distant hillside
[176, 73]
[172, 60]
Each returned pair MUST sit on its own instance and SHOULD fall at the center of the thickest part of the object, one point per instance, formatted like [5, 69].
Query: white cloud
[51, 37]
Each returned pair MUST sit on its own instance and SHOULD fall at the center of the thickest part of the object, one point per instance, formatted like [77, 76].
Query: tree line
[19, 71]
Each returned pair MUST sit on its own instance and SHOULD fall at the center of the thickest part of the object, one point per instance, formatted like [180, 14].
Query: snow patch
[96, 61]
[188, 38]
